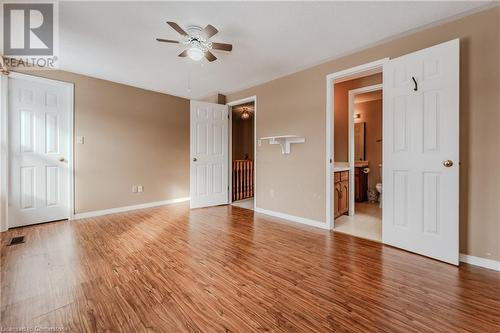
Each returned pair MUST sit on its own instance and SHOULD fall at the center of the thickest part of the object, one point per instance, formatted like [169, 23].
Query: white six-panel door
[421, 152]
[39, 148]
[209, 154]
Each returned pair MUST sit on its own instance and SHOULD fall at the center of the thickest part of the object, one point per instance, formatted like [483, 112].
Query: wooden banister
[242, 179]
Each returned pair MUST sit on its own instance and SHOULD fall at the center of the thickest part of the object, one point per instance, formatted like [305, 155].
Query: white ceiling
[116, 40]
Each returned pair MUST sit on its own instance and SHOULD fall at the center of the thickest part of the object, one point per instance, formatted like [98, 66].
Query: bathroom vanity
[341, 191]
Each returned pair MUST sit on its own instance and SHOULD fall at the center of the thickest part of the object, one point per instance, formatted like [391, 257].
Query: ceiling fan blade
[177, 28]
[210, 57]
[183, 53]
[167, 40]
[222, 46]
[210, 30]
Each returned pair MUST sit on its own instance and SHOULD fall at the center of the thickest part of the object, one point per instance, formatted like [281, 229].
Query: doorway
[354, 174]
[364, 216]
[242, 154]
[337, 156]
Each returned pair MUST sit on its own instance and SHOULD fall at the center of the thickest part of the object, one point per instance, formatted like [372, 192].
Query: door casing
[331, 79]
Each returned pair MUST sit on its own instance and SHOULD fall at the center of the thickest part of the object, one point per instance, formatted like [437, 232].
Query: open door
[209, 154]
[421, 152]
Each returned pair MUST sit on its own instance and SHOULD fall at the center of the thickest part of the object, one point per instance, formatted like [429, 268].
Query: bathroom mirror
[359, 141]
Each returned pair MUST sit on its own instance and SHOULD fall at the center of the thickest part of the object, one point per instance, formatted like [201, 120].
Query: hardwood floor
[223, 269]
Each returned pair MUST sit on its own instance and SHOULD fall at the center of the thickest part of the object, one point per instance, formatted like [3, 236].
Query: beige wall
[371, 114]
[341, 113]
[295, 104]
[132, 136]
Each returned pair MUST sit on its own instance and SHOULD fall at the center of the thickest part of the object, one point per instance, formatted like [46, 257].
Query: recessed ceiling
[116, 40]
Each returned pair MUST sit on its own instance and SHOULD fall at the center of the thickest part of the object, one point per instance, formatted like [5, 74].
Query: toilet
[378, 186]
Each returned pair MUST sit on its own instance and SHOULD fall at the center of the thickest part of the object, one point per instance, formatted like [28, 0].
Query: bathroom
[357, 181]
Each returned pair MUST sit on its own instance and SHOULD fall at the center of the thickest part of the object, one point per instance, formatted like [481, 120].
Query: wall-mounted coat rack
[284, 141]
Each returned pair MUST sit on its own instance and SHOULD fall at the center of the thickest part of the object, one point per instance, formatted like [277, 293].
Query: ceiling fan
[197, 41]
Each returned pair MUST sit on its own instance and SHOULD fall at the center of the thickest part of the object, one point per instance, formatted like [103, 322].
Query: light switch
[80, 139]
[134, 188]
[139, 188]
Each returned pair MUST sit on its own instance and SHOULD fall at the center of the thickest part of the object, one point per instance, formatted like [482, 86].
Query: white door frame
[352, 96]
[4, 142]
[4, 153]
[331, 79]
[231, 104]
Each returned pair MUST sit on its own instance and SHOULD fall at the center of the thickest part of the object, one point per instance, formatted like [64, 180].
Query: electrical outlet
[134, 188]
[140, 188]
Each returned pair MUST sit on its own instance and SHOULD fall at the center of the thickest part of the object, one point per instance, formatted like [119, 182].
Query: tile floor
[366, 222]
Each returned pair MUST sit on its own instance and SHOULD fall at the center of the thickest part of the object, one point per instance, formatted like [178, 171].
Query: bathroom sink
[361, 164]
[340, 166]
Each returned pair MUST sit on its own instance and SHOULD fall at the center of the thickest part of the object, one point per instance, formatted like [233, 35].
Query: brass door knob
[61, 159]
[448, 163]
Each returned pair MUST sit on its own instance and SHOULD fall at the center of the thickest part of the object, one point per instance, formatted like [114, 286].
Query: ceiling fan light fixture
[195, 53]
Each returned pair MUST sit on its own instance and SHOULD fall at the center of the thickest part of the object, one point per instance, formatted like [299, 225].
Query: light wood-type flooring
[228, 269]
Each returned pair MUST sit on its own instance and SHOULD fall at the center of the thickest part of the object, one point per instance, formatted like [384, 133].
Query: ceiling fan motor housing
[196, 38]
[194, 30]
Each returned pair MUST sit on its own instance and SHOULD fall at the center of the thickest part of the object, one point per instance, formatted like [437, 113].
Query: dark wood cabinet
[336, 200]
[360, 185]
[341, 193]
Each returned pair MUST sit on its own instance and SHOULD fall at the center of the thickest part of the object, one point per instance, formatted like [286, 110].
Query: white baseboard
[127, 208]
[478, 261]
[313, 223]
